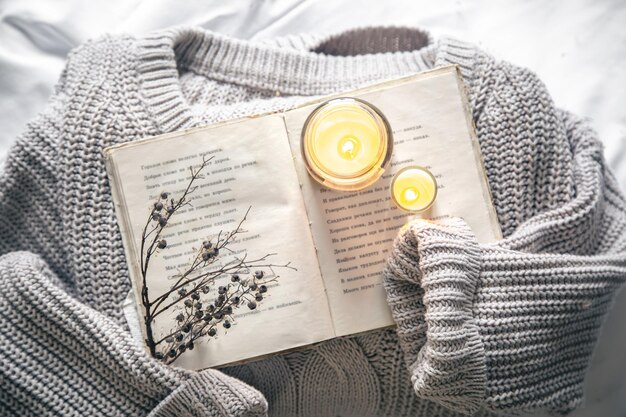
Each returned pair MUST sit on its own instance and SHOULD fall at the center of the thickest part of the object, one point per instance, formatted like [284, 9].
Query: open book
[338, 241]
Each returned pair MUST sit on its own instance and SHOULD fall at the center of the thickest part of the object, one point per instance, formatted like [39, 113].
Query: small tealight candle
[414, 189]
[346, 144]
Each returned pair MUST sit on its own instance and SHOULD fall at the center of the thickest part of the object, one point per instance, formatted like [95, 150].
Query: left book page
[251, 168]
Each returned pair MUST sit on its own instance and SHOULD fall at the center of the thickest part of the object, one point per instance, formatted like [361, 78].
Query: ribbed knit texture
[512, 325]
[480, 327]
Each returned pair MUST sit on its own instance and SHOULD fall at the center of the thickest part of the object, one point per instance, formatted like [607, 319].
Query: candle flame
[411, 194]
[349, 147]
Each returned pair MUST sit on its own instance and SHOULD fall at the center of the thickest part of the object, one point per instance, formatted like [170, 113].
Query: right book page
[353, 231]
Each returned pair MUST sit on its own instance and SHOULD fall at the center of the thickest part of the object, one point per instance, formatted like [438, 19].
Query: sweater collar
[298, 65]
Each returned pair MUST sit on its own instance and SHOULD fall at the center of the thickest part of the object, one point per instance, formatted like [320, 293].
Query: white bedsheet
[577, 47]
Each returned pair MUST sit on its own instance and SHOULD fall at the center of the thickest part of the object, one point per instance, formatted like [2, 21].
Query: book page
[353, 231]
[251, 167]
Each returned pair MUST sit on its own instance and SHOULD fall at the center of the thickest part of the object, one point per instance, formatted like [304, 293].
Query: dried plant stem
[191, 286]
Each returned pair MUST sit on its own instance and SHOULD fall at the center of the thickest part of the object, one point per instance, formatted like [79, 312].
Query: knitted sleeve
[29, 184]
[511, 326]
[60, 357]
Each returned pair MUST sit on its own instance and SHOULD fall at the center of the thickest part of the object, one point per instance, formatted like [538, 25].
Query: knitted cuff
[212, 393]
[430, 280]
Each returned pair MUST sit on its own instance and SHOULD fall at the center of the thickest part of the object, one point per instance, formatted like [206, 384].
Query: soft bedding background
[578, 48]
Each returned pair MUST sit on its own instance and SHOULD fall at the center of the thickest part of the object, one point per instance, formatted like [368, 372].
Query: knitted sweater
[504, 327]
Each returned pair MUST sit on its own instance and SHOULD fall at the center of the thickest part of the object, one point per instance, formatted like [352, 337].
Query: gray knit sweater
[504, 327]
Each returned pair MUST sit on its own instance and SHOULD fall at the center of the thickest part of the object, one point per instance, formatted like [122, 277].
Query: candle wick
[348, 147]
[411, 194]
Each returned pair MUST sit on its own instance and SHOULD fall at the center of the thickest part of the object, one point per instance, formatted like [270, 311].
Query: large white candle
[346, 144]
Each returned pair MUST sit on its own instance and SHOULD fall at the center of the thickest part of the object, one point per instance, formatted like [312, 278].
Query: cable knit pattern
[505, 327]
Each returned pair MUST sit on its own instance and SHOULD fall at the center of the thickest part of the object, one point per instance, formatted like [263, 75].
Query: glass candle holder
[414, 189]
[346, 144]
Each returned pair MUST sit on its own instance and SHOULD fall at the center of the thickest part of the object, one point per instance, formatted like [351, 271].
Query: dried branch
[199, 315]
